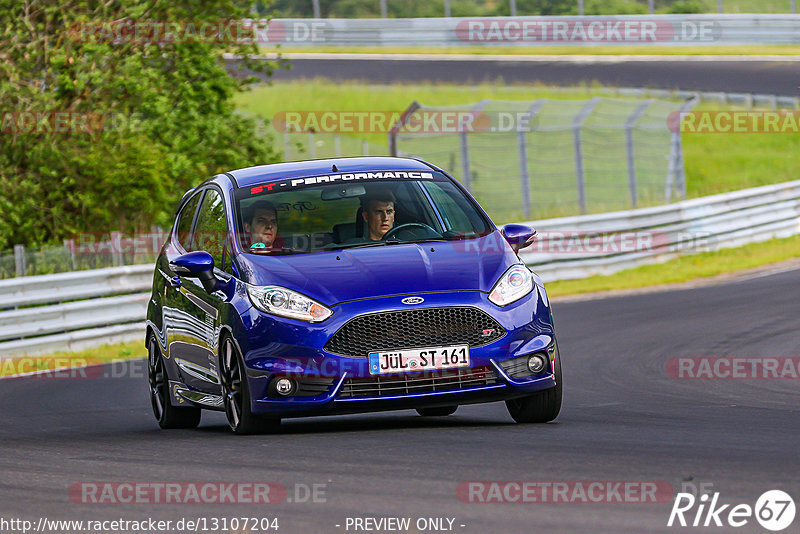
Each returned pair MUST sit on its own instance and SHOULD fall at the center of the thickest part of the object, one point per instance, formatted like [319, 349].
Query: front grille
[390, 386]
[424, 327]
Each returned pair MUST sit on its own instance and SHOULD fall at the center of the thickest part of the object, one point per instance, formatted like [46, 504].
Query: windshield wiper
[389, 242]
[361, 245]
[275, 252]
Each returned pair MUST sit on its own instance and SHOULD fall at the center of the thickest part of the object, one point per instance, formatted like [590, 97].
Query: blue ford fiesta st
[340, 286]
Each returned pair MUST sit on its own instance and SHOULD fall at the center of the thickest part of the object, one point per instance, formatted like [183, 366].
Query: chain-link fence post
[116, 249]
[580, 174]
[364, 147]
[465, 170]
[463, 144]
[69, 244]
[522, 147]
[312, 146]
[676, 173]
[629, 149]
[20, 262]
[287, 151]
[337, 145]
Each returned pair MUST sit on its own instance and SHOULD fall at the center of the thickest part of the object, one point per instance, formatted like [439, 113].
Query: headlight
[515, 283]
[287, 303]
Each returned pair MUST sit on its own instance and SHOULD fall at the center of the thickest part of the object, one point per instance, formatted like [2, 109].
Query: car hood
[350, 274]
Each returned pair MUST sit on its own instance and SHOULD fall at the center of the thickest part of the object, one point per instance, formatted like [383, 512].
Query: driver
[261, 227]
[378, 213]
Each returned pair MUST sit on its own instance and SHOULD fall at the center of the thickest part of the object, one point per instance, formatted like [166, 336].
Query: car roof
[298, 169]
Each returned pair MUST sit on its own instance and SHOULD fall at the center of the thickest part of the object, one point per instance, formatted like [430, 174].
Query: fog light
[284, 386]
[537, 363]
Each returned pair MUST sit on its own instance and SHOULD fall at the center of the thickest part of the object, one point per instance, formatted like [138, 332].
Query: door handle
[175, 281]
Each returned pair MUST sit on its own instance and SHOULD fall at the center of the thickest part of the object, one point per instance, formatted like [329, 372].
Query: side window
[211, 232]
[453, 207]
[184, 225]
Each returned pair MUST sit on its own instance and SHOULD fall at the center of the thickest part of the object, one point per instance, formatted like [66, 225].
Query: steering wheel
[391, 233]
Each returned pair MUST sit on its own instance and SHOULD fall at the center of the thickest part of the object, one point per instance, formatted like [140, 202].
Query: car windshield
[340, 211]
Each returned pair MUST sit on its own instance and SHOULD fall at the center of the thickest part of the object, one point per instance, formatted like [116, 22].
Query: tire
[167, 415]
[542, 406]
[437, 412]
[236, 394]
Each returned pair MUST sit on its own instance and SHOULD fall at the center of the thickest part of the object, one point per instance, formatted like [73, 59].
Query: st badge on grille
[413, 300]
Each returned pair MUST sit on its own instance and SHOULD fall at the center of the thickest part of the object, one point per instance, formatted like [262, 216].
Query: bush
[158, 116]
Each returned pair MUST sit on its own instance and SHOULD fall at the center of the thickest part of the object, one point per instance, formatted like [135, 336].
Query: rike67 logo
[774, 510]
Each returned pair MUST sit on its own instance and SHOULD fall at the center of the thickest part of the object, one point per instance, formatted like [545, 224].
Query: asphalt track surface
[691, 74]
[624, 419]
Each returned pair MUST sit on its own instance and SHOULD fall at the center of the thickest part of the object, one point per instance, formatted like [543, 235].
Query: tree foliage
[152, 116]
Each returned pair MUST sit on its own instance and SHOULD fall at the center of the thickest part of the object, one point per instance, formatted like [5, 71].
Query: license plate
[427, 359]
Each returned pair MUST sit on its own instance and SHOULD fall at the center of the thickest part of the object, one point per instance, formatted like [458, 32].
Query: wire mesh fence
[548, 158]
[86, 252]
[308, 145]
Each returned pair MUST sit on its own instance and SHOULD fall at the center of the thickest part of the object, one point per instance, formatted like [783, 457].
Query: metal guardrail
[694, 30]
[70, 311]
[568, 247]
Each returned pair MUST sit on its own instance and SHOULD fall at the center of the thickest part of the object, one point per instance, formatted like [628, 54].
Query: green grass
[548, 50]
[715, 163]
[104, 354]
[684, 268]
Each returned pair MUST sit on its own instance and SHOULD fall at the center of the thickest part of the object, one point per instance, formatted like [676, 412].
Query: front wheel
[236, 394]
[167, 415]
[542, 406]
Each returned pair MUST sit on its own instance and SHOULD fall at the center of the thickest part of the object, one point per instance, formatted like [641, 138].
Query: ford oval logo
[413, 300]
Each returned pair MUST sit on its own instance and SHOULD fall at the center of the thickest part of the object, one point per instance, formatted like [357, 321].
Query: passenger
[261, 227]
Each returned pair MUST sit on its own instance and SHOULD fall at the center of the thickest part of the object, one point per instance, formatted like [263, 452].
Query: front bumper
[294, 350]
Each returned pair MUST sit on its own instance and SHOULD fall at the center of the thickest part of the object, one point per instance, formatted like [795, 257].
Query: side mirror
[518, 236]
[198, 265]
